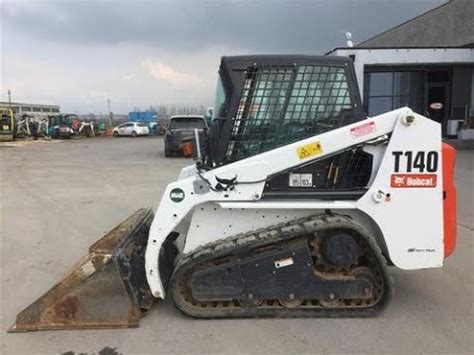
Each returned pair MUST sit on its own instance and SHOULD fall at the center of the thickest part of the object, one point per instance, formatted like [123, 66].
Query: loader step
[286, 271]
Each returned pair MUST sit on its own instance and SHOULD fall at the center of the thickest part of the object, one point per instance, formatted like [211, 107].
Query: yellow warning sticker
[309, 150]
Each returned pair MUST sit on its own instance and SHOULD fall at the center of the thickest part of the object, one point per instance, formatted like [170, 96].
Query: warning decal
[363, 129]
[413, 180]
[309, 150]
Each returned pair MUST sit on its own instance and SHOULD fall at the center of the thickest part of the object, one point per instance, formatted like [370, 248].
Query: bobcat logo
[399, 180]
[413, 180]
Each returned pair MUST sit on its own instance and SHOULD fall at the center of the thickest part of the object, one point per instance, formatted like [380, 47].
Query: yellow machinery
[7, 125]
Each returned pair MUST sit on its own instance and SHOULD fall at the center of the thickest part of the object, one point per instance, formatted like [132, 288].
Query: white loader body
[402, 207]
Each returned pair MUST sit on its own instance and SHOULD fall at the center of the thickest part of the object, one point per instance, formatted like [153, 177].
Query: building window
[386, 91]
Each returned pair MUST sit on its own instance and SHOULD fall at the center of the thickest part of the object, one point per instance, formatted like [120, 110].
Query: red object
[449, 203]
[188, 149]
[413, 180]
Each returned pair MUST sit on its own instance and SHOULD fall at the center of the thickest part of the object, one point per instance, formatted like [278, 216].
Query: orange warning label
[413, 180]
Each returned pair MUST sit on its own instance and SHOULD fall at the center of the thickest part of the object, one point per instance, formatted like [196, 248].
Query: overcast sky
[79, 53]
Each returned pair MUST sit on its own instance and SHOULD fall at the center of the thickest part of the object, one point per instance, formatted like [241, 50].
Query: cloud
[128, 77]
[184, 25]
[164, 72]
[166, 52]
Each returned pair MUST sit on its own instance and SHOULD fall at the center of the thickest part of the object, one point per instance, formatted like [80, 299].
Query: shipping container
[145, 116]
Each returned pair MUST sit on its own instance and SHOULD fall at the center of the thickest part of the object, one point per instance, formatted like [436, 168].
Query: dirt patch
[23, 143]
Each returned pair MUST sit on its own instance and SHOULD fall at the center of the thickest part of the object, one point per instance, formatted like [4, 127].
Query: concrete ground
[59, 197]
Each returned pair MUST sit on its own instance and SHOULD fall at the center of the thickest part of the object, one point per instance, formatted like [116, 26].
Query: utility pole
[9, 98]
[110, 113]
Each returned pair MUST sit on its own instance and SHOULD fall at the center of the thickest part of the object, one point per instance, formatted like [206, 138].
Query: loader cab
[264, 102]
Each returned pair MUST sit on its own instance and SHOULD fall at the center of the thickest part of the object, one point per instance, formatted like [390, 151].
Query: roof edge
[388, 48]
[404, 23]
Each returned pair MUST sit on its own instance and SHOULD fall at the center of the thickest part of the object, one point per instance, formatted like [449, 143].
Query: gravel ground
[58, 198]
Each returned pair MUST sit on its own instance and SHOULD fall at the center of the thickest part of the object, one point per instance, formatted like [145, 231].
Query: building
[426, 63]
[31, 109]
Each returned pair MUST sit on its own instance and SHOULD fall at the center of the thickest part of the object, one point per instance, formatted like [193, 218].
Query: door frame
[447, 104]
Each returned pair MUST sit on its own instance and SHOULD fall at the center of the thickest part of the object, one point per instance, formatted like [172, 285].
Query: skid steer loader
[296, 206]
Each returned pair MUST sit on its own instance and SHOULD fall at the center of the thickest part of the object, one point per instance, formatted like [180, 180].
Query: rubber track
[244, 243]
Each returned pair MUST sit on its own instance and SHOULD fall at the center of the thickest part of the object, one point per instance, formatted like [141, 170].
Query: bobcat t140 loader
[296, 206]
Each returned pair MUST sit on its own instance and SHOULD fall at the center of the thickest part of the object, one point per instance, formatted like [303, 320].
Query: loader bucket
[106, 289]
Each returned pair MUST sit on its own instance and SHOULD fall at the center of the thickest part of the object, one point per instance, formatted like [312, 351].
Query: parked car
[61, 131]
[133, 129]
[181, 128]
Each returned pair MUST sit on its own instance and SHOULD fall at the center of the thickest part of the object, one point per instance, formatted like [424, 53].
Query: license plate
[300, 180]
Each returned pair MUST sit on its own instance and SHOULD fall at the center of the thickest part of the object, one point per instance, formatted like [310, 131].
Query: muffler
[106, 289]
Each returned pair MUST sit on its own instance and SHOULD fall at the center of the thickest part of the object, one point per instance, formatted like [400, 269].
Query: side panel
[406, 197]
[214, 221]
[210, 222]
